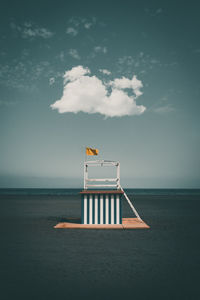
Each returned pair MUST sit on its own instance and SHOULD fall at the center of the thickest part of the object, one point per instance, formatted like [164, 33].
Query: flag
[90, 151]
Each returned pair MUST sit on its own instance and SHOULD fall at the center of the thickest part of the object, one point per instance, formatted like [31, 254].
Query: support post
[85, 175]
[118, 176]
[131, 205]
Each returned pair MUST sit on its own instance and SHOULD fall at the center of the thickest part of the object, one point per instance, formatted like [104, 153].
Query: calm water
[40, 262]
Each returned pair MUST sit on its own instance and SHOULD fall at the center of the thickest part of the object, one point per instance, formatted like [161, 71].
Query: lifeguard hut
[101, 200]
[101, 206]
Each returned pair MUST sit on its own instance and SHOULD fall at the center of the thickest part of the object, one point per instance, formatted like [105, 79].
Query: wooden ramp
[127, 223]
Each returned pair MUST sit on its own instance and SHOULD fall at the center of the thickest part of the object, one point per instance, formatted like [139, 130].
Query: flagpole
[84, 164]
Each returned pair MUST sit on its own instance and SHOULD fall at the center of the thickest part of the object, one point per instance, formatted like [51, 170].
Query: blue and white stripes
[101, 208]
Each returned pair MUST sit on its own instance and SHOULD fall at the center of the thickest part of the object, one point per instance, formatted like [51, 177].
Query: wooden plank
[133, 223]
[88, 226]
[127, 223]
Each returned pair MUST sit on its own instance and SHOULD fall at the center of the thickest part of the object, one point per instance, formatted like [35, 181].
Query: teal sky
[157, 41]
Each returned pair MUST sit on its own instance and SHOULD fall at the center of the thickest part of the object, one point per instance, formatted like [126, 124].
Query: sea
[40, 262]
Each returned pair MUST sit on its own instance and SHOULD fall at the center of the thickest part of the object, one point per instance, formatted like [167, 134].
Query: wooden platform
[127, 223]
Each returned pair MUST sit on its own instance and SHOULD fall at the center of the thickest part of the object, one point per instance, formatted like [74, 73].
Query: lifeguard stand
[101, 203]
[101, 206]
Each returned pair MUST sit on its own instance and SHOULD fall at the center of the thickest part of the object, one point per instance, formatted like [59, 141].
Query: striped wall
[101, 209]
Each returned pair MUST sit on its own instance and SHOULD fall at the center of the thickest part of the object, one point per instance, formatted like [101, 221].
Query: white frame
[106, 181]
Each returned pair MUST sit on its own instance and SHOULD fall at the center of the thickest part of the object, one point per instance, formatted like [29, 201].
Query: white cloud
[29, 31]
[72, 31]
[75, 73]
[128, 60]
[100, 49]
[51, 80]
[34, 32]
[74, 53]
[85, 22]
[87, 25]
[89, 94]
[141, 61]
[22, 75]
[77, 24]
[74, 21]
[104, 71]
[97, 50]
[125, 83]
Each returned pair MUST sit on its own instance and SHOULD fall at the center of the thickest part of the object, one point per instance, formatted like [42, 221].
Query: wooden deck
[127, 223]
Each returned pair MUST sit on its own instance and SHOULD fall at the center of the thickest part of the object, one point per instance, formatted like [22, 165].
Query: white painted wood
[96, 210]
[107, 209]
[101, 209]
[102, 185]
[102, 163]
[85, 175]
[117, 208]
[85, 210]
[131, 205]
[102, 179]
[90, 209]
[118, 175]
[112, 209]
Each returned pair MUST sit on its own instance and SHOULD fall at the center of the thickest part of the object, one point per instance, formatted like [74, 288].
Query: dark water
[40, 262]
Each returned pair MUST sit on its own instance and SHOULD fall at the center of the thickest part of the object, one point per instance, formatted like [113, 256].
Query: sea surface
[40, 262]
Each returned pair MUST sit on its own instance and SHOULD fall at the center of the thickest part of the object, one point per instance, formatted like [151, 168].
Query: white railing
[101, 163]
[103, 179]
[102, 185]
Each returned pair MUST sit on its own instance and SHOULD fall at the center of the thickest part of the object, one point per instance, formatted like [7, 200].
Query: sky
[120, 76]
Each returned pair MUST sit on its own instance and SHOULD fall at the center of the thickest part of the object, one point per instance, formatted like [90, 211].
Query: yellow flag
[90, 151]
